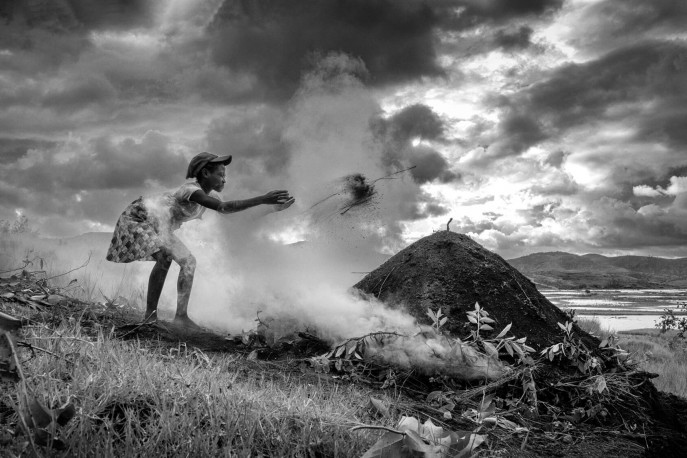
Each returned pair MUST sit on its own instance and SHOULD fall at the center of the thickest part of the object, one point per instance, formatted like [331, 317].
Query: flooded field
[620, 309]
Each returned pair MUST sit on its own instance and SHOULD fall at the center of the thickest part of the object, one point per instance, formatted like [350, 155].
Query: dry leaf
[379, 406]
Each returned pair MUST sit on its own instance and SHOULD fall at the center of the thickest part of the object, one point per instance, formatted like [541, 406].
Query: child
[144, 231]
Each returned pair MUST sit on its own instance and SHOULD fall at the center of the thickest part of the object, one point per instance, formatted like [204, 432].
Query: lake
[620, 309]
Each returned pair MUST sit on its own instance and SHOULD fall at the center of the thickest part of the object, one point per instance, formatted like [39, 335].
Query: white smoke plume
[244, 264]
[433, 353]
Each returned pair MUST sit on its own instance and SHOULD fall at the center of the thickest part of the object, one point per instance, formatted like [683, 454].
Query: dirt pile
[450, 271]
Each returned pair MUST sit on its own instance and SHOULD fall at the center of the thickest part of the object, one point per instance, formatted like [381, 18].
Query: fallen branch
[383, 428]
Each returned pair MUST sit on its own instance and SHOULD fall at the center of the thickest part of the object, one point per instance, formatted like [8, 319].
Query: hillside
[565, 270]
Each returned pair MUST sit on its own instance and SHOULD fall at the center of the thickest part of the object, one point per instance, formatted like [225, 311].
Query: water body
[620, 309]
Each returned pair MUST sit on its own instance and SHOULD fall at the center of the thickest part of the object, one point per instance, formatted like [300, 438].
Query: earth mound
[450, 271]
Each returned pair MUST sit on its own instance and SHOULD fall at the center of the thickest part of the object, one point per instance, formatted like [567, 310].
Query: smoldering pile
[427, 352]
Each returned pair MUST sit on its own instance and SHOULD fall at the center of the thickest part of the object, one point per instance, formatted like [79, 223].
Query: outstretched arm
[280, 198]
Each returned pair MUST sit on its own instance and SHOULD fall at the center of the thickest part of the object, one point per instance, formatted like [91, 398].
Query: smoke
[346, 213]
[248, 265]
[433, 353]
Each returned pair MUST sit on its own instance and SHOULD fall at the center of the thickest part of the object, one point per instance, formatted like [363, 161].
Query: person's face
[216, 178]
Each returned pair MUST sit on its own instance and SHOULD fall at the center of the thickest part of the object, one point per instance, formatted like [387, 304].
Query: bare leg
[187, 269]
[177, 251]
[155, 284]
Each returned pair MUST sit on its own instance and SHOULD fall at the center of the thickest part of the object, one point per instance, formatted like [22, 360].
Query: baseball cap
[202, 159]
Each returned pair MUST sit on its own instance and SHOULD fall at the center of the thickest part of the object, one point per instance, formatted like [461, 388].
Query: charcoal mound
[451, 271]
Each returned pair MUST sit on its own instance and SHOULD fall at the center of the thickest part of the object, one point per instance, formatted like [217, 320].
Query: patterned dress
[147, 225]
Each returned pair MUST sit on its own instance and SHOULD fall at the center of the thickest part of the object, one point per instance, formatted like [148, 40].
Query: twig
[448, 224]
[77, 268]
[59, 337]
[357, 203]
[384, 428]
[523, 291]
[374, 334]
[260, 322]
[468, 394]
[326, 198]
[387, 177]
[524, 441]
[26, 263]
[137, 327]
[384, 281]
[33, 347]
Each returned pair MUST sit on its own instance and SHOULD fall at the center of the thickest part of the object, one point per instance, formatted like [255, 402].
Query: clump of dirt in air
[360, 192]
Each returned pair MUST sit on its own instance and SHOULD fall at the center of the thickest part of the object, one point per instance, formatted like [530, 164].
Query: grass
[138, 400]
[594, 327]
[153, 399]
[662, 354]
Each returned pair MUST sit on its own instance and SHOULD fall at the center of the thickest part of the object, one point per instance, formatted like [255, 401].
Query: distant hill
[564, 270]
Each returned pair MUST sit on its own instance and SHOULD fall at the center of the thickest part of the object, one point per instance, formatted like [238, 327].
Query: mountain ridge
[558, 269]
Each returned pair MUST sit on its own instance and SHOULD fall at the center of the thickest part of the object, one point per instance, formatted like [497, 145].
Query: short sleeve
[184, 193]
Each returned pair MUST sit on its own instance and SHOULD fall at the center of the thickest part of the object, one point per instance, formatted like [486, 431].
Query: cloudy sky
[537, 125]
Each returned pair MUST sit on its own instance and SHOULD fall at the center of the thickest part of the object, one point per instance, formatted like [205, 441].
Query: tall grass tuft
[593, 326]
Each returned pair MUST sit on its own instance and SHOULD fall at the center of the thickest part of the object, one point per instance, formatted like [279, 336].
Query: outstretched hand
[285, 205]
[277, 198]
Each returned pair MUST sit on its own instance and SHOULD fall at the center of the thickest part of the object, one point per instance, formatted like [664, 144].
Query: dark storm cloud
[621, 226]
[395, 39]
[78, 14]
[103, 165]
[12, 149]
[646, 74]
[557, 158]
[409, 204]
[429, 165]
[578, 93]
[255, 139]
[475, 12]
[397, 134]
[513, 40]
[79, 93]
[613, 23]
[517, 132]
[415, 121]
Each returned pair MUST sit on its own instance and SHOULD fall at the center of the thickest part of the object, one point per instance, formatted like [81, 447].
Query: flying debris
[356, 191]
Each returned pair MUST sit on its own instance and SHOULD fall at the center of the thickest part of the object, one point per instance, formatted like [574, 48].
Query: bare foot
[186, 322]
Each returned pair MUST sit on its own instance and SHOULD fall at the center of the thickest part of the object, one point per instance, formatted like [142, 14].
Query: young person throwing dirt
[145, 230]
